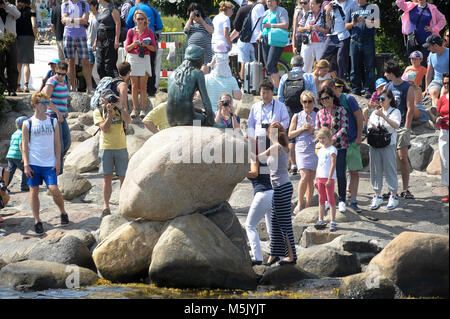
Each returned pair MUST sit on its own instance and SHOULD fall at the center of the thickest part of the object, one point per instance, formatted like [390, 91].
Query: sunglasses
[304, 3]
[308, 102]
[339, 85]
[324, 98]
[62, 74]
[43, 102]
[381, 98]
[140, 19]
[446, 83]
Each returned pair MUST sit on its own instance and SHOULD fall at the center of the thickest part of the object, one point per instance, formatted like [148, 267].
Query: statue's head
[194, 53]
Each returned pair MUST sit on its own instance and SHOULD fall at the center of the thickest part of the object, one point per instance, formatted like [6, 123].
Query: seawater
[306, 289]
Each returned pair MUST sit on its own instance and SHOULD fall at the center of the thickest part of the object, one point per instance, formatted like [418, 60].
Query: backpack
[105, 83]
[245, 35]
[293, 88]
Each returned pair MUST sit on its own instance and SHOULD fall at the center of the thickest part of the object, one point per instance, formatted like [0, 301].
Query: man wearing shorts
[75, 17]
[354, 134]
[112, 118]
[41, 157]
[404, 96]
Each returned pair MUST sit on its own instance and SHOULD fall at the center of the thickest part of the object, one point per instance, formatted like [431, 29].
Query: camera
[141, 51]
[305, 38]
[2, 182]
[112, 99]
[225, 103]
[265, 125]
[355, 18]
[196, 12]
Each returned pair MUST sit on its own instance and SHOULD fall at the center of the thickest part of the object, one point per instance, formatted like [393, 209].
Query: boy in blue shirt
[50, 72]
[14, 155]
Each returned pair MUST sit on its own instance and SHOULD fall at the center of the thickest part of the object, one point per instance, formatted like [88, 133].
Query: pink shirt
[438, 20]
[133, 35]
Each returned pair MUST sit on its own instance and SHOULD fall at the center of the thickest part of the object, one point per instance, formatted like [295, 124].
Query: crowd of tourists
[307, 120]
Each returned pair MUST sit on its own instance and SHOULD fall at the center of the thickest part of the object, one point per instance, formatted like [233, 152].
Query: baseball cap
[433, 39]
[20, 120]
[54, 61]
[380, 82]
[106, 94]
[409, 76]
[416, 55]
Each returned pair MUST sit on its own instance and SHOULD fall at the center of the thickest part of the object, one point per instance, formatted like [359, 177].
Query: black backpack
[245, 35]
[293, 88]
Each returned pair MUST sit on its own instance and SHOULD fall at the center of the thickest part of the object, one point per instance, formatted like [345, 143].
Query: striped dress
[198, 35]
[59, 96]
[280, 216]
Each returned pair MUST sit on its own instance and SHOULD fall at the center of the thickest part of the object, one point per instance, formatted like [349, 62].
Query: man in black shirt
[58, 29]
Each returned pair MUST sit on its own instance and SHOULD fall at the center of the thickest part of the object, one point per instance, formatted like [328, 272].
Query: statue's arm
[205, 97]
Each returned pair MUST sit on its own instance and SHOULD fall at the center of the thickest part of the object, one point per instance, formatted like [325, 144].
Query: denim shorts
[91, 55]
[110, 159]
[40, 174]
[246, 52]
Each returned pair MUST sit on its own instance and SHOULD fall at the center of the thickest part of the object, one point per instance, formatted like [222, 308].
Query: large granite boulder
[79, 102]
[420, 155]
[84, 157]
[41, 275]
[193, 252]
[73, 185]
[125, 254]
[417, 263]
[183, 170]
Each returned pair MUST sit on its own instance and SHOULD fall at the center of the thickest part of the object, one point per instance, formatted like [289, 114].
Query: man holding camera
[362, 22]
[112, 118]
[337, 44]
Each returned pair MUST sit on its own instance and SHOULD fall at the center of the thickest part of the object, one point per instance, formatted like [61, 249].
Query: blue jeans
[271, 56]
[341, 167]
[337, 53]
[14, 164]
[363, 65]
[66, 141]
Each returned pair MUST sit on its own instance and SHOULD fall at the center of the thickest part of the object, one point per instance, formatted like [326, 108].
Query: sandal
[25, 88]
[19, 89]
[407, 194]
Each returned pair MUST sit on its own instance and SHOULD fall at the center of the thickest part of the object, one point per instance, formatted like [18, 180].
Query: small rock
[284, 275]
[420, 155]
[312, 236]
[367, 286]
[73, 185]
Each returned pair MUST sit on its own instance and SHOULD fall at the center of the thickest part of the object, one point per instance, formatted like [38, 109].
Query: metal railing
[167, 38]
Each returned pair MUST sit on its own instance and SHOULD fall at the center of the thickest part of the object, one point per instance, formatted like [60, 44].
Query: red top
[133, 35]
[443, 110]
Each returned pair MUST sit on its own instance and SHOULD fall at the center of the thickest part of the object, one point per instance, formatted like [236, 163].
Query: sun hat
[380, 82]
[53, 61]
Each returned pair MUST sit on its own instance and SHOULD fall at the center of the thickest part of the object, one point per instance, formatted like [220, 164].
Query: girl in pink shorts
[325, 177]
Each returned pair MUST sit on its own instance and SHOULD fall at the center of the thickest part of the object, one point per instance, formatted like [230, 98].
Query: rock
[243, 110]
[4, 147]
[312, 236]
[84, 158]
[419, 128]
[355, 242]
[134, 143]
[125, 254]
[364, 149]
[8, 125]
[41, 275]
[417, 263]
[69, 250]
[285, 275]
[367, 285]
[160, 97]
[79, 102]
[73, 185]
[194, 252]
[109, 224]
[307, 216]
[2, 263]
[228, 223]
[86, 119]
[310, 215]
[85, 236]
[323, 260]
[428, 139]
[159, 167]
[79, 136]
[434, 168]
[420, 155]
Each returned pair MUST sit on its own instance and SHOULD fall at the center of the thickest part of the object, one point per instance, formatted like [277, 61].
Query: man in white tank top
[41, 149]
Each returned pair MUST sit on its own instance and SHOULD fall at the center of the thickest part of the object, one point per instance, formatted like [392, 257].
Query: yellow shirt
[158, 117]
[115, 138]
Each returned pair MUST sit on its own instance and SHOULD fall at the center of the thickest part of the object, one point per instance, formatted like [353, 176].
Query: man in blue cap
[14, 155]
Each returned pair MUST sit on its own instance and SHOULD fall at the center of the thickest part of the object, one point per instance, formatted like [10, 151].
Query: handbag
[379, 137]
[412, 37]
[278, 37]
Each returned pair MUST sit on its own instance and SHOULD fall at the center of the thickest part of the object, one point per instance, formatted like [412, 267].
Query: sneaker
[407, 194]
[333, 226]
[445, 199]
[342, 207]
[38, 228]
[25, 188]
[1, 220]
[356, 208]
[142, 114]
[294, 170]
[367, 95]
[134, 114]
[393, 203]
[64, 220]
[327, 206]
[106, 212]
[376, 202]
[321, 224]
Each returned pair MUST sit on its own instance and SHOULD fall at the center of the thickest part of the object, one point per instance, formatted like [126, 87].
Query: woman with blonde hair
[302, 129]
[321, 73]
[140, 41]
[221, 41]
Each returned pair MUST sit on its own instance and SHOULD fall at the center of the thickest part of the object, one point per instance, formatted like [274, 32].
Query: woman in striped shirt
[56, 87]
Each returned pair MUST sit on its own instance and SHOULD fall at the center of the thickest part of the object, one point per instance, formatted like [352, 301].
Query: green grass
[173, 24]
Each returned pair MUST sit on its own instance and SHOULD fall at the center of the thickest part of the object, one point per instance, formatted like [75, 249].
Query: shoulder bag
[379, 137]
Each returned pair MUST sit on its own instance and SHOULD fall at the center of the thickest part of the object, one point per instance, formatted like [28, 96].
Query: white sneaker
[393, 203]
[342, 207]
[327, 206]
[376, 202]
